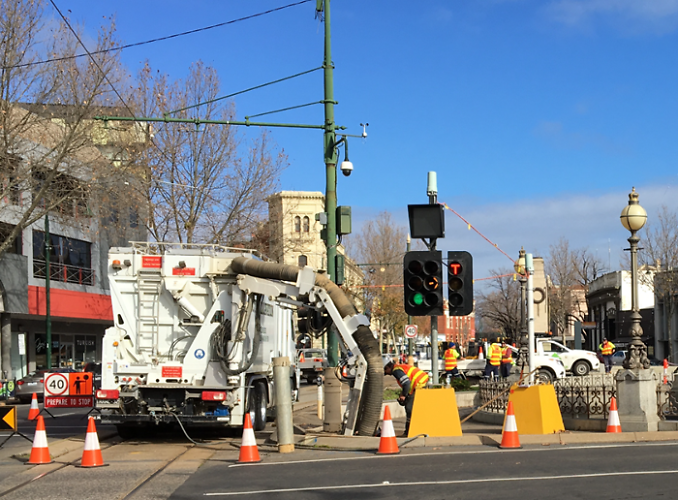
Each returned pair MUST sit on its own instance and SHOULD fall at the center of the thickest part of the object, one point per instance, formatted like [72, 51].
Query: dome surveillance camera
[346, 168]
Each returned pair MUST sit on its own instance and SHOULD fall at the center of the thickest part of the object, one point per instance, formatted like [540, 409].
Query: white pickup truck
[577, 361]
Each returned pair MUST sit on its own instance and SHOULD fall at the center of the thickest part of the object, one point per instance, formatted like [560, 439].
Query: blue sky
[537, 115]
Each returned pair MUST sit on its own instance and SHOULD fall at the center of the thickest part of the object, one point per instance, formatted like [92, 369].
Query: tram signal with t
[460, 283]
[423, 274]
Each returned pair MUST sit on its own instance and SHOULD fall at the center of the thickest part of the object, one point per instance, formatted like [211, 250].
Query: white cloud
[659, 16]
[588, 220]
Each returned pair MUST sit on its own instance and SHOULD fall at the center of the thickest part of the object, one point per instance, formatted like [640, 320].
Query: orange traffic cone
[613, 424]
[388, 445]
[248, 449]
[480, 353]
[35, 409]
[509, 436]
[91, 455]
[40, 450]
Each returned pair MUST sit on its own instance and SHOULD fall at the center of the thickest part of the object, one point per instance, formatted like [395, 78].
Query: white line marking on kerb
[435, 483]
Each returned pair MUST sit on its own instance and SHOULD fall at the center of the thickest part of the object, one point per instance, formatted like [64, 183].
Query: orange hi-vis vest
[606, 349]
[451, 356]
[508, 356]
[418, 378]
[495, 354]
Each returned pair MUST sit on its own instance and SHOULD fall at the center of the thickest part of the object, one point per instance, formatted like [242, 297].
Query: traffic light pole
[433, 200]
[410, 342]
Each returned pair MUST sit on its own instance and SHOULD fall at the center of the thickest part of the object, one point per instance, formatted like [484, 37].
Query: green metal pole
[410, 347]
[330, 152]
[48, 319]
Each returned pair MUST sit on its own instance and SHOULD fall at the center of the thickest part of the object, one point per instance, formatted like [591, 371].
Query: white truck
[196, 328]
[549, 367]
[577, 361]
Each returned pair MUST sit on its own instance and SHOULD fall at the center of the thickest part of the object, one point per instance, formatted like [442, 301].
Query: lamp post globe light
[633, 218]
[519, 267]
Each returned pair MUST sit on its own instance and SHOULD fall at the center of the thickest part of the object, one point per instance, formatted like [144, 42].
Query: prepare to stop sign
[68, 390]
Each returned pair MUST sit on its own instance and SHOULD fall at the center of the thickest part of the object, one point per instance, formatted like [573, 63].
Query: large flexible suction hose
[373, 390]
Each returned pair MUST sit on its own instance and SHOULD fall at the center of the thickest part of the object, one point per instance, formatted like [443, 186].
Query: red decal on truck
[154, 261]
[183, 271]
[171, 371]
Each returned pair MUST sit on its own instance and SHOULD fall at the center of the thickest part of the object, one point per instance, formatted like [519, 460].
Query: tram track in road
[44, 476]
[61, 466]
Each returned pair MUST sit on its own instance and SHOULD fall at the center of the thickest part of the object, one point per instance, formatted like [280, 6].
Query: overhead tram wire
[160, 39]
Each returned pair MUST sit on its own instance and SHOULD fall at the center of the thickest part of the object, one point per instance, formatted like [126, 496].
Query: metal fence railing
[586, 397]
[63, 272]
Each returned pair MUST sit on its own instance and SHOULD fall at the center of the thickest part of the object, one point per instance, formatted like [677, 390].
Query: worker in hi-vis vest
[606, 351]
[506, 359]
[451, 356]
[409, 378]
[493, 361]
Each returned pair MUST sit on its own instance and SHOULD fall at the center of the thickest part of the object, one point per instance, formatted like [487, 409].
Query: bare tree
[48, 161]
[381, 243]
[499, 306]
[201, 186]
[660, 252]
[569, 271]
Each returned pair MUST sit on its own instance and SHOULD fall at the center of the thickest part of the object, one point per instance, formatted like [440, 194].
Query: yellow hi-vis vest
[606, 349]
[495, 354]
[508, 355]
[418, 378]
[451, 356]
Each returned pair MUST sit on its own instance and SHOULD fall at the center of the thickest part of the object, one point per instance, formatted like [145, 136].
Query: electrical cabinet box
[343, 220]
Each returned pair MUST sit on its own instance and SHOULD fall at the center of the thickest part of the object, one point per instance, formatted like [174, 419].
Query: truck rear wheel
[257, 406]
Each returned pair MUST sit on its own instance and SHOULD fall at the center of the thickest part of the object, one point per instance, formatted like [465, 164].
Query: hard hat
[452, 344]
[386, 360]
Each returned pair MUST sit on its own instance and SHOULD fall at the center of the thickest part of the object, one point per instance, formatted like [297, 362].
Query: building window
[16, 246]
[70, 259]
[307, 225]
[297, 224]
[303, 261]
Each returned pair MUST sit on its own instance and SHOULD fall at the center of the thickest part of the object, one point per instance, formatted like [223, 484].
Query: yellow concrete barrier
[537, 410]
[435, 413]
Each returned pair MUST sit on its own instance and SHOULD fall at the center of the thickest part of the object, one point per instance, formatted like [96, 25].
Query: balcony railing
[63, 272]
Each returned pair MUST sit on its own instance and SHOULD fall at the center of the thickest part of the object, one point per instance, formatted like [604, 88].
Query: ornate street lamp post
[519, 267]
[633, 218]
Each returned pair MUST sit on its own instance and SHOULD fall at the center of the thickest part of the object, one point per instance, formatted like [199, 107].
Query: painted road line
[387, 484]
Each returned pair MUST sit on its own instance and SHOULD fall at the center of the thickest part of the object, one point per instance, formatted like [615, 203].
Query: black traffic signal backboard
[423, 273]
[460, 283]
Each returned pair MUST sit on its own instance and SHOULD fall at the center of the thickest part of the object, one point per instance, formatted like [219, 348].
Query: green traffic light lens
[417, 299]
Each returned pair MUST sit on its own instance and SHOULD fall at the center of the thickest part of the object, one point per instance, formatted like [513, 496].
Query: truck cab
[577, 361]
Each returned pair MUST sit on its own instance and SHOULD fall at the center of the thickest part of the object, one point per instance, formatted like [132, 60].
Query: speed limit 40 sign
[410, 331]
[57, 384]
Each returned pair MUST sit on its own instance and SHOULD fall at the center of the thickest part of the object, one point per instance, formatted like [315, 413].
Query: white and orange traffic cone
[388, 444]
[91, 455]
[248, 449]
[613, 424]
[35, 409]
[40, 449]
[509, 435]
[480, 353]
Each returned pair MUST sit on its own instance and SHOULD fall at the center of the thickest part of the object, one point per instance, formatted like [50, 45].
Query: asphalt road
[648, 471]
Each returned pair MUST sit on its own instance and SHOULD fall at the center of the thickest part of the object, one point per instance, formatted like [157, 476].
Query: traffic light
[460, 283]
[423, 273]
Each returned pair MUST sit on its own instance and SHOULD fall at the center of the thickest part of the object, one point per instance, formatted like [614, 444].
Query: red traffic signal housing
[460, 282]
